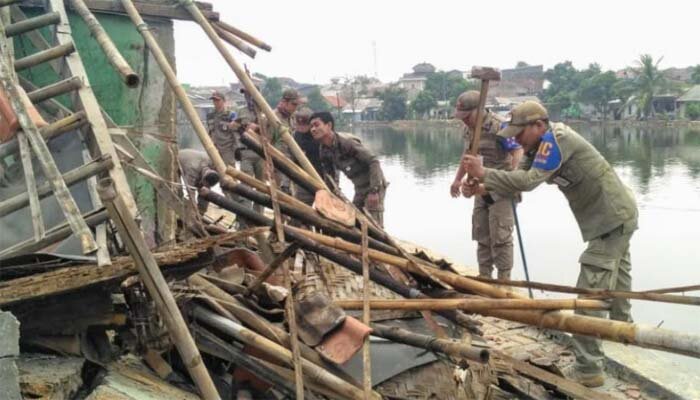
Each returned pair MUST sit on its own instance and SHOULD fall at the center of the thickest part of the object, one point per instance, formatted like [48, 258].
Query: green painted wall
[147, 111]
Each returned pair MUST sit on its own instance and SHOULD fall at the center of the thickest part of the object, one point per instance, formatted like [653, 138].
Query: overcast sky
[313, 41]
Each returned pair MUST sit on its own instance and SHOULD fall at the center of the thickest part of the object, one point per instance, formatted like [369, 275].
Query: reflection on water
[661, 165]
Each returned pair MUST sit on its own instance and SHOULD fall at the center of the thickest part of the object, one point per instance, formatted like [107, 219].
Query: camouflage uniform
[282, 179]
[193, 164]
[603, 206]
[222, 135]
[492, 218]
[347, 154]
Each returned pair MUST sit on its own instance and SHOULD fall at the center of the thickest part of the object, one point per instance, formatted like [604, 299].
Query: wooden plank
[35, 38]
[102, 254]
[92, 109]
[566, 386]
[30, 180]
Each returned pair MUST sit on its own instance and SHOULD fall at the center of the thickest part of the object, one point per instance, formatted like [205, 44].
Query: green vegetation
[695, 76]
[692, 111]
[394, 101]
[316, 102]
[648, 83]
[423, 103]
[272, 91]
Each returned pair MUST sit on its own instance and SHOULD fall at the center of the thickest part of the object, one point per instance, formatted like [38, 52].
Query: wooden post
[250, 87]
[30, 181]
[366, 355]
[158, 288]
[55, 89]
[130, 78]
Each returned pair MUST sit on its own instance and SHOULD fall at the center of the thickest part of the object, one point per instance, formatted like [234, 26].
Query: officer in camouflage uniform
[345, 153]
[220, 129]
[285, 113]
[310, 147]
[492, 218]
[603, 206]
[197, 171]
[251, 163]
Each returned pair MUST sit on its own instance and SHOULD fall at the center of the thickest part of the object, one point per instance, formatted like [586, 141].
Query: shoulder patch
[548, 157]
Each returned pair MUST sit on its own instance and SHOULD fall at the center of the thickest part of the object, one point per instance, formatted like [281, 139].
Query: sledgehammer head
[486, 73]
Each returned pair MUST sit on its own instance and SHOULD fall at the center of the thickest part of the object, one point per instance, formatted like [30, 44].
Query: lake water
[661, 165]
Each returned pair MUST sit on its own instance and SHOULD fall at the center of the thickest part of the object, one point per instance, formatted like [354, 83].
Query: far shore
[451, 123]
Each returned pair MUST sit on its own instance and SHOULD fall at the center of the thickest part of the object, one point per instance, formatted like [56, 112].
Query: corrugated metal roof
[693, 94]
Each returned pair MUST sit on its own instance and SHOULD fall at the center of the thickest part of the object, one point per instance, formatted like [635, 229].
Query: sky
[313, 41]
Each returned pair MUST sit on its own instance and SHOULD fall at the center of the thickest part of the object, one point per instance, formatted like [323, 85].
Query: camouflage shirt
[222, 135]
[347, 154]
[491, 146]
[598, 198]
[193, 163]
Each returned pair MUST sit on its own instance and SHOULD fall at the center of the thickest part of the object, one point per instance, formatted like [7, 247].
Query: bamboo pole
[71, 177]
[343, 260]
[30, 181]
[170, 76]
[450, 347]
[602, 293]
[243, 35]
[316, 386]
[476, 305]
[293, 332]
[250, 87]
[158, 288]
[55, 89]
[678, 289]
[234, 41]
[616, 331]
[309, 216]
[44, 56]
[30, 24]
[211, 344]
[130, 78]
[366, 355]
[278, 352]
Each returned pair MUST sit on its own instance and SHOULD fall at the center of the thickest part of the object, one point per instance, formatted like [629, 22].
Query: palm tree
[649, 81]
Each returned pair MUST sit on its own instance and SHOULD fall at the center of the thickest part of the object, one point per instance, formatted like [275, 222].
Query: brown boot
[589, 379]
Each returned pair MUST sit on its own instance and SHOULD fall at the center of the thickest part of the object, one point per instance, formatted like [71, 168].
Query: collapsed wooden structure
[219, 304]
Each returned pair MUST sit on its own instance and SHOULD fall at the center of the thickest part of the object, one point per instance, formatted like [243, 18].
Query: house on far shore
[692, 96]
[414, 81]
[364, 109]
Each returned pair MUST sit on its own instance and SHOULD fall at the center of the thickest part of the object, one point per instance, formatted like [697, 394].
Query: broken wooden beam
[243, 35]
[157, 287]
[235, 41]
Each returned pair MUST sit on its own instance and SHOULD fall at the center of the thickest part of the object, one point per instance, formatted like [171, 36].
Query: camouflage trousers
[605, 264]
[360, 201]
[254, 166]
[492, 229]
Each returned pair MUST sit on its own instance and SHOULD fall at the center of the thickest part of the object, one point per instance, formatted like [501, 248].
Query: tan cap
[466, 102]
[522, 115]
[217, 95]
[290, 94]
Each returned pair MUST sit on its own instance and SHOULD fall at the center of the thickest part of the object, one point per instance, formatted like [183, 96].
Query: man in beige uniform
[604, 208]
[285, 110]
[220, 129]
[492, 218]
